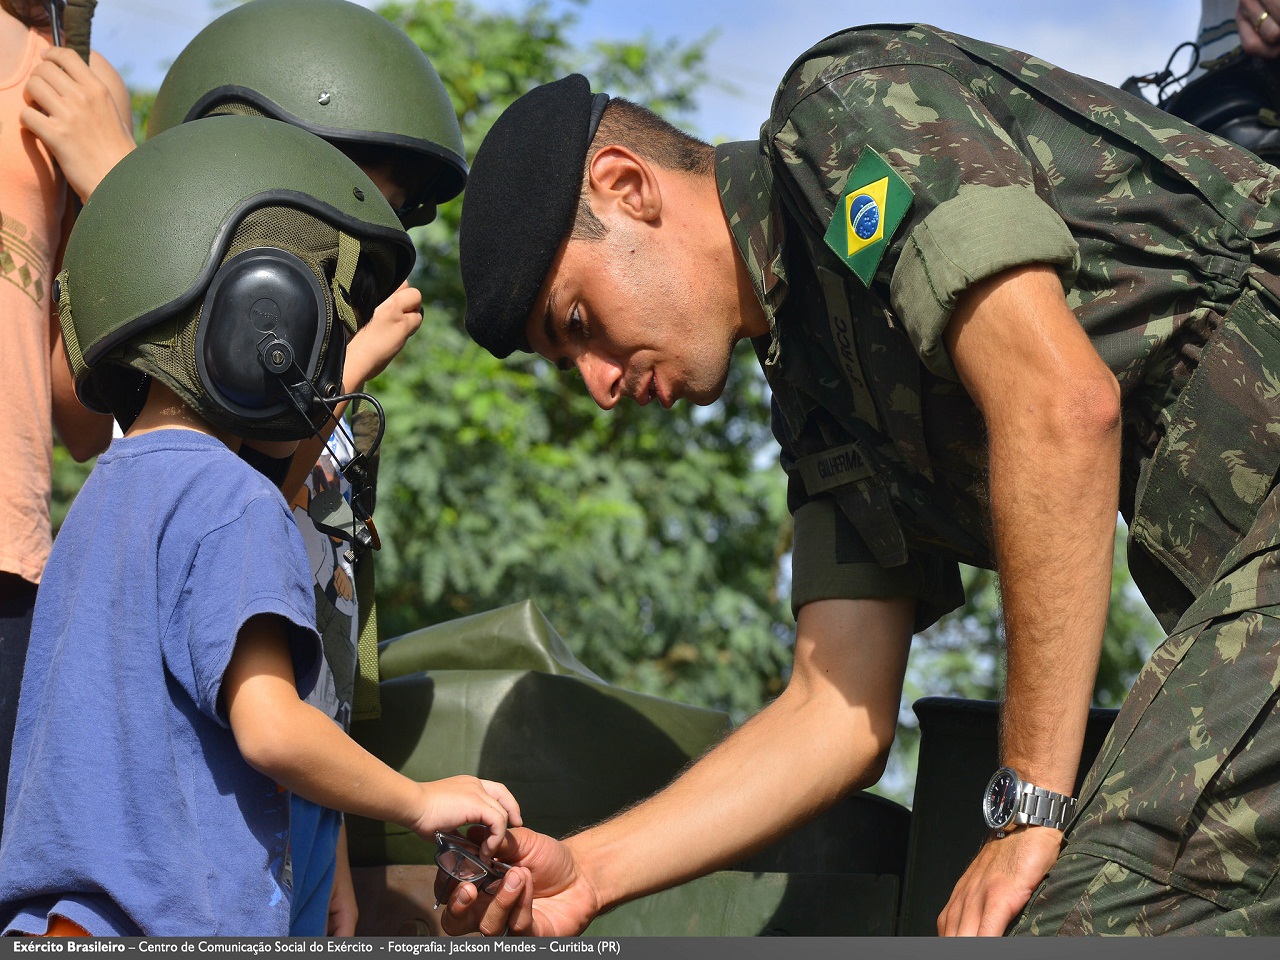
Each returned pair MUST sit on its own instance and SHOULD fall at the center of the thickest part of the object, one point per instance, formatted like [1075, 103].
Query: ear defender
[263, 326]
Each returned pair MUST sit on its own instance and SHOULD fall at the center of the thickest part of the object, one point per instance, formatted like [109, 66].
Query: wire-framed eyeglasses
[462, 862]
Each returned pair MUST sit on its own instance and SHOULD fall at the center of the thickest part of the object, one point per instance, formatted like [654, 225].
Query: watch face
[1001, 799]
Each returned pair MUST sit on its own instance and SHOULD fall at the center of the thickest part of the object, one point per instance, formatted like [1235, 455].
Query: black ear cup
[262, 298]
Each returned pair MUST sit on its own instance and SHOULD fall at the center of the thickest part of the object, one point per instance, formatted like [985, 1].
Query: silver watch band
[1043, 808]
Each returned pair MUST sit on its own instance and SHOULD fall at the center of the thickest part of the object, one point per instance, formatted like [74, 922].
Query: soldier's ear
[619, 179]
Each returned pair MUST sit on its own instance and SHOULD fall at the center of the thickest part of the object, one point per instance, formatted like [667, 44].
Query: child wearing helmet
[349, 76]
[208, 292]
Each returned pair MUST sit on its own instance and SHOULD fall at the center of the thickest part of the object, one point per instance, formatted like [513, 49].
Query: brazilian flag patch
[873, 205]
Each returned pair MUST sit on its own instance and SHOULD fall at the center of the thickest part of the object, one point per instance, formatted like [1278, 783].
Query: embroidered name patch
[873, 205]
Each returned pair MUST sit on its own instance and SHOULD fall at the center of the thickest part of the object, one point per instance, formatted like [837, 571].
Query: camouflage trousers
[1178, 830]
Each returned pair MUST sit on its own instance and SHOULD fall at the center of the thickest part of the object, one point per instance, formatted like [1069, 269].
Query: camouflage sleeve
[979, 233]
[976, 206]
[829, 562]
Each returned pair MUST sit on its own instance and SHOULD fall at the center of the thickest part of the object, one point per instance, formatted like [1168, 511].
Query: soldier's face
[632, 315]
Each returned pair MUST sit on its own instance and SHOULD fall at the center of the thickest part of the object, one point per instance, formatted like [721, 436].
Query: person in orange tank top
[63, 125]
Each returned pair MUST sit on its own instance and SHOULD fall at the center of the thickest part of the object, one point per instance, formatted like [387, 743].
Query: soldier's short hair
[648, 136]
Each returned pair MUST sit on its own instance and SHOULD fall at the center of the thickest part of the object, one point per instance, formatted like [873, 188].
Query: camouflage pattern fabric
[1179, 823]
[1167, 242]
[1179, 830]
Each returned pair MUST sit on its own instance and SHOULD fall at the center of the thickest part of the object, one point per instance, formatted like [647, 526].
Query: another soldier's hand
[74, 113]
[1259, 30]
[544, 894]
[378, 341]
[999, 882]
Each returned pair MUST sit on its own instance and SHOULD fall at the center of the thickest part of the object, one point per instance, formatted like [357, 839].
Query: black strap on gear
[77, 21]
[1162, 80]
[70, 22]
[1237, 97]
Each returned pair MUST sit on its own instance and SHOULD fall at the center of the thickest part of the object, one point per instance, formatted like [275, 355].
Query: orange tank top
[33, 198]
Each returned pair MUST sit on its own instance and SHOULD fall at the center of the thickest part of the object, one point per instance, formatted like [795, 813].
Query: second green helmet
[331, 67]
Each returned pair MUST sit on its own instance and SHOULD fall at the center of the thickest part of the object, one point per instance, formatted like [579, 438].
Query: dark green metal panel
[737, 904]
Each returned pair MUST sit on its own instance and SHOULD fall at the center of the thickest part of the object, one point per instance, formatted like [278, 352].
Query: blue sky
[755, 40]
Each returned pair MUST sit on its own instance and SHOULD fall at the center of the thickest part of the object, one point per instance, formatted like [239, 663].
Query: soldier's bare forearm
[1054, 506]
[828, 732]
[1052, 413]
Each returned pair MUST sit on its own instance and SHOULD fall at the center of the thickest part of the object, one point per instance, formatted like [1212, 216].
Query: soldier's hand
[1259, 31]
[999, 882]
[545, 894]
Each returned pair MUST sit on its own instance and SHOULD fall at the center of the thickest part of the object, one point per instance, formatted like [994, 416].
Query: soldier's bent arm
[828, 732]
[1052, 411]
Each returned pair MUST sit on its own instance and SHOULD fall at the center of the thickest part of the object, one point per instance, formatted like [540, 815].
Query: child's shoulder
[196, 471]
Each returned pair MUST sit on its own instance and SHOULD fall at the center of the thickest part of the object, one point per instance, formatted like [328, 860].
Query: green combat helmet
[225, 258]
[333, 68]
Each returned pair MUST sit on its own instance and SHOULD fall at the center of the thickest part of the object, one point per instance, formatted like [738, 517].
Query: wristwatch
[1010, 801]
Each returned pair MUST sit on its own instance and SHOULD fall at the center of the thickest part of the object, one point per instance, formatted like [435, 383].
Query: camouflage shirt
[899, 166]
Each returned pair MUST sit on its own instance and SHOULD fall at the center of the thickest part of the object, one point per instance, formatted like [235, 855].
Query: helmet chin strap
[329, 510]
[55, 8]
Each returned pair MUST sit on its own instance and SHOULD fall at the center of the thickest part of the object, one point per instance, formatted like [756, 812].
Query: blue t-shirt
[130, 809]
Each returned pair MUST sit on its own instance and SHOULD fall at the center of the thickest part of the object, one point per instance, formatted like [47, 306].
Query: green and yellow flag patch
[874, 203]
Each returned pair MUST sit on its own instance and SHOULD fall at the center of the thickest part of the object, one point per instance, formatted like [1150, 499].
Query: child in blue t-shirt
[161, 728]
[389, 112]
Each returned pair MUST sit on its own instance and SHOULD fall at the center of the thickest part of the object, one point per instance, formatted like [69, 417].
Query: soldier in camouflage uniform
[995, 302]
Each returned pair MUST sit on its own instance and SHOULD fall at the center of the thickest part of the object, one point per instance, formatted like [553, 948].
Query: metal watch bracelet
[1039, 807]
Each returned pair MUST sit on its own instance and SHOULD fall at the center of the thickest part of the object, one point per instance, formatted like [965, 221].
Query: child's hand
[378, 341]
[77, 114]
[447, 804]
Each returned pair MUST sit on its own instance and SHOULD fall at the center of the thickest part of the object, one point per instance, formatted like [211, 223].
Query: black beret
[519, 206]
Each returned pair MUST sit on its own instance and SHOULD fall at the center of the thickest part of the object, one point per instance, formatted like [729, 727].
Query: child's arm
[304, 751]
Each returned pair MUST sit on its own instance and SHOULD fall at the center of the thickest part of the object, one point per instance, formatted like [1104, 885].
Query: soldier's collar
[745, 181]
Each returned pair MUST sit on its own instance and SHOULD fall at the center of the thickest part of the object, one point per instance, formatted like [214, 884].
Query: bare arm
[829, 732]
[83, 432]
[82, 114]
[344, 912]
[307, 753]
[1052, 410]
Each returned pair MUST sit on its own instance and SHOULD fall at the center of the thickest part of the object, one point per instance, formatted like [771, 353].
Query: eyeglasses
[462, 861]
